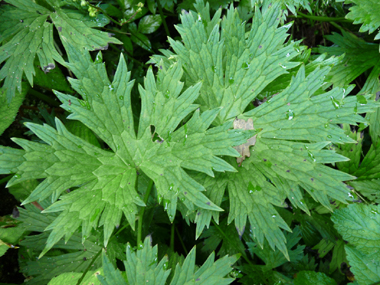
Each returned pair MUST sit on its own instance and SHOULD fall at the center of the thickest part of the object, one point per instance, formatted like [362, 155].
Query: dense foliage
[186, 142]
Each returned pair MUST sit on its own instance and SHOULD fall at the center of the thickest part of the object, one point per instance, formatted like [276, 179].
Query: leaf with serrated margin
[365, 12]
[359, 224]
[27, 32]
[106, 179]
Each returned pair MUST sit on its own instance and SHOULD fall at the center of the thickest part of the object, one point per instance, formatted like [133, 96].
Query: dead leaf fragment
[243, 149]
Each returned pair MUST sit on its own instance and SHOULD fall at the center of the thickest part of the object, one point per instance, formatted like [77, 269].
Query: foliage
[220, 149]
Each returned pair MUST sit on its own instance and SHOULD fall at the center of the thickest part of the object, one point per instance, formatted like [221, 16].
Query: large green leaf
[26, 31]
[235, 67]
[106, 179]
[360, 225]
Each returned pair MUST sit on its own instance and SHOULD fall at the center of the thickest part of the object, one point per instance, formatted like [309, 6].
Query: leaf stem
[228, 239]
[321, 18]
[105, 14]
[141, 214]
[6, 179]
[172, 237]
[163, 18]
[89, 266]
[181, 241]
[43, 97]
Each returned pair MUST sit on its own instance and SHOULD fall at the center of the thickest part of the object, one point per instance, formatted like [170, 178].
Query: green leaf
[149, 24]
[71, 278]
[365, 12]
[8, 111]
[142, 267]
[235, 67]
[29, 30]
[209, 273]
[311, 278]
[351, 151]
[73, 256]
[359, 225]
[276, 258]
[23, 190]
[54, 79]
[359, 57]
[227, 234]
[106, 179]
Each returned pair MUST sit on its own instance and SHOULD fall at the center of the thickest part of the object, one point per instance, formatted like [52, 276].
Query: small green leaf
[8, 111]
[359, 225]
[149, 24]
[311, 278]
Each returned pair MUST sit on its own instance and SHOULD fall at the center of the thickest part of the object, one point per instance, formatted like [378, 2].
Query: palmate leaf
[365, 12]
[106, 179]
[359, 225]
[236, 67]
[77, 259]
[26, 31]
[142, 267]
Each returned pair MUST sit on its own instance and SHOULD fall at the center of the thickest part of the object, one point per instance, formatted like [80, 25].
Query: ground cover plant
[187, 142]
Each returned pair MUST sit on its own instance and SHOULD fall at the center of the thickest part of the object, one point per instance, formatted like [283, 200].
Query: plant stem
[6, 179]
[163, 18]
[181, 241]
[105, 14]
[228, 239]
[141, 214]
[43, 97]
[89, 266]
[128, 54]
[321, 18]
[172, 237]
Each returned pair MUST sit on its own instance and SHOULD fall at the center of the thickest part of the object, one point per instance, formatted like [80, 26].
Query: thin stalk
[89, 266]
[228, 239]
[321, 18]
[105, 14]
[128, 55]
[6, 179]
[141, 214]
[163, 18]
[172, 237]
[181, 241]
[336, 26]
[43, 97]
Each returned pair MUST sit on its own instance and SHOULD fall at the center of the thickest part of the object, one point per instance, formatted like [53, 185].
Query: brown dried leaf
[244, 148]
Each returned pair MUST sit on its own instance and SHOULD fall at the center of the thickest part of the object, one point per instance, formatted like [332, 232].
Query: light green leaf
[366, 268]
[31, 28]
[365, 12]
[71, 278]
[311, 278]
[360, 225]
[236, 66]
[8, 111]
[142, 267]
[24, 189]
[211, 272]
[149, 24]
[106, 179]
